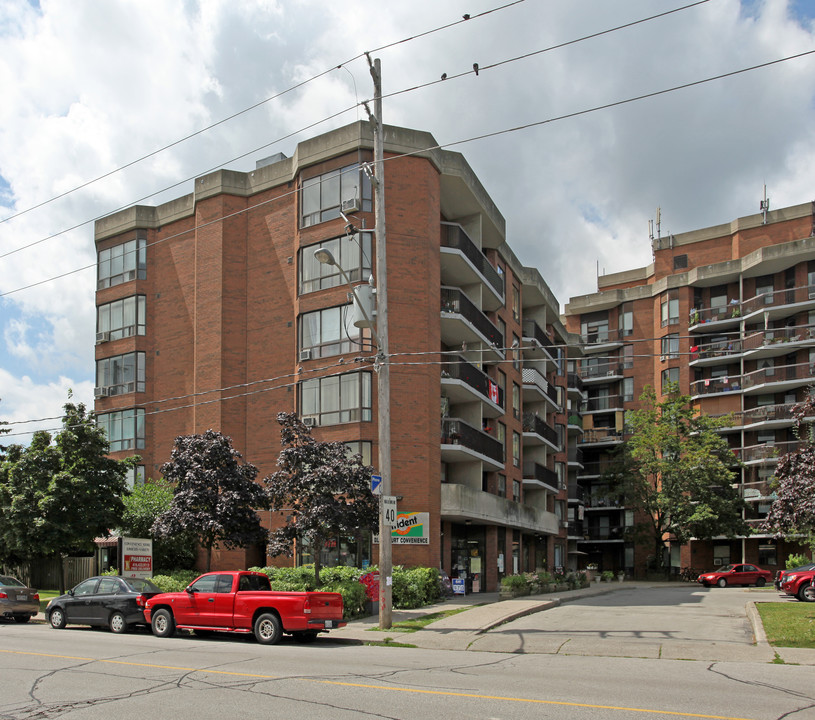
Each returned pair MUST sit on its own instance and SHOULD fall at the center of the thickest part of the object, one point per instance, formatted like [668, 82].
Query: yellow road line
[418, 691]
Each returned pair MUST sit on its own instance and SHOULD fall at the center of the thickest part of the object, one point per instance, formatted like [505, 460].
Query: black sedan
[16, 600]
[111, 601]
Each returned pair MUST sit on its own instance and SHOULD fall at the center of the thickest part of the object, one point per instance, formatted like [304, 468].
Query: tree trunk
[209, 557]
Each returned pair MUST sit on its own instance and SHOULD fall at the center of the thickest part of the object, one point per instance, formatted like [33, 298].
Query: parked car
[779, 577]
[16, 600]
[800, 583]
[111, 601]
[742, 574]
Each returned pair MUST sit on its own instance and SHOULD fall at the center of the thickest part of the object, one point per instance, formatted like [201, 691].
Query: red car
[800, 583]
[736, 575]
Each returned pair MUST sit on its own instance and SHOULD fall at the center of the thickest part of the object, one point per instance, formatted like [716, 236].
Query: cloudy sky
[92, 86]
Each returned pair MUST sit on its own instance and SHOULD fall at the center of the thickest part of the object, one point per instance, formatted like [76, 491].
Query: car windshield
[9, 581]
[141, 585]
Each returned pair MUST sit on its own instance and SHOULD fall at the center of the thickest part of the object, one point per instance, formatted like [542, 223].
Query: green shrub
[607, 575]
[176, 581]
[353, 597]
[794, 561]
[514, 582]
[111, 571]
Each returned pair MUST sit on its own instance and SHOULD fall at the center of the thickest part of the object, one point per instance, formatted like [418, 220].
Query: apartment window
[502, 274]
[322, 197]
[352, 253]
[560, 471]
[121, 318]
[516, 449]
[765, 286]
[671, 375]
[135, 476]
[628, 356]
[120, 374]
[669, 308]
[516, 401]
[811, 278]
[680, 262]
[516, 353]
[594, 327]
[626, 319]
[516, 490]
[718, 298]
[670, 346]
[122, 263]
[502, 485]
[124, 429]
[337, 399]
[330, 331]
[628, 389]
[501, 436]
[516, 303]
[361, 447]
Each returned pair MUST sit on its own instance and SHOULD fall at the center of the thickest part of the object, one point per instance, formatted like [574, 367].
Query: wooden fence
[44, 574]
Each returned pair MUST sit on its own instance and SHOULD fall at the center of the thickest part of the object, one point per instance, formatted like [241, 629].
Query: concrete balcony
[536, 343]
[537, 432]
[539, 477]
[463, 382]
[461, 443]
[463, 324]
[598, 437]
[463, 264]
[536, 388]
[778, 378]
[460, 503]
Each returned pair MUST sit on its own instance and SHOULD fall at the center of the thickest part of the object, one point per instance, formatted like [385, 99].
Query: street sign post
[376, 484]
[389, 510]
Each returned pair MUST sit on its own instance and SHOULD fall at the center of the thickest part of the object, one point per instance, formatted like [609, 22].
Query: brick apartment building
[728, 312]
[214, 313]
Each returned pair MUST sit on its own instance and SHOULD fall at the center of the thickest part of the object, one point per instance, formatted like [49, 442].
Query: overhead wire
[474, 138]
[343, 111]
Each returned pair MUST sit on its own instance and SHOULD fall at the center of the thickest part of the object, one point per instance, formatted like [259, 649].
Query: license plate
[22, 597]
[329, 623]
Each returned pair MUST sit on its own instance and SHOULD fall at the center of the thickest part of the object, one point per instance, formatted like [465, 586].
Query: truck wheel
[57, 618]
[163, 624]
[117, 623]
[722, 582]
[268, 629]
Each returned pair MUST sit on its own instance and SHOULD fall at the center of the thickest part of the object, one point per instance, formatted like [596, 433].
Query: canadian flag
[493, 392]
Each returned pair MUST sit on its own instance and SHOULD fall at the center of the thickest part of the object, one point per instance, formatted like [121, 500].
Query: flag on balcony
[493, 392]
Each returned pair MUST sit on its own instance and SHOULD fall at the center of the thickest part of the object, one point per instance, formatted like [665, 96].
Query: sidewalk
[485, 611]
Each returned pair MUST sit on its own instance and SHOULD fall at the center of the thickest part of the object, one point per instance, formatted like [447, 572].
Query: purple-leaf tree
[793, 511]
[321, 489]
[215, 496]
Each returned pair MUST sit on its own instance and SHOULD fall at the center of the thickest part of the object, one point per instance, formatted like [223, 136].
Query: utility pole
[382, 359]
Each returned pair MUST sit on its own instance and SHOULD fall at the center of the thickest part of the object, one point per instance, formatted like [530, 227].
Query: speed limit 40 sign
[389, 510]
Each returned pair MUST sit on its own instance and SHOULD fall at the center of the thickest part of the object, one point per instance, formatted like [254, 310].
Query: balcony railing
[459, 369]
[766, 451]
[603, 402]
[778, 373]
[575, 528]
[730, 311]
[718, 349]
[574, 382]
[531, 329]
[710, 386]
[594, 467]
[575, 455]
[536, 471]
[455, 301]
[530, 376]
[453, 236]
[603, 336]
[455, 431]
[592, 372]
[576, 492]
[766, 413]
[756, 490]
[600, 435]
[533, 424]
[611, 533]
[788, 296]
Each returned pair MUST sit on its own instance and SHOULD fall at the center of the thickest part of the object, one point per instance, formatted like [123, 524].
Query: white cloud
[90, 86]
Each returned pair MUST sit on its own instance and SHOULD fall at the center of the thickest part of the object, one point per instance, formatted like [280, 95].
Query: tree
[57, 498]
[324, 491]
[793, 511]
[214, 496]
[143, 506]
[678, 471]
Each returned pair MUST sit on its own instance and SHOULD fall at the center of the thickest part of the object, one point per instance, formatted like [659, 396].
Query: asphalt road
[84, 673]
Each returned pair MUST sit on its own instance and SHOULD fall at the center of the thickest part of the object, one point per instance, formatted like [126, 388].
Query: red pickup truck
[244, 602]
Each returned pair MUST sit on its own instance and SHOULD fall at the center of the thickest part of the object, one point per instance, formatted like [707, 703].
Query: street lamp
[325, 257]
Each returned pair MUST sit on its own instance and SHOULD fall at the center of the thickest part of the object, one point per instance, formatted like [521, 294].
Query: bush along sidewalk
[542, 582]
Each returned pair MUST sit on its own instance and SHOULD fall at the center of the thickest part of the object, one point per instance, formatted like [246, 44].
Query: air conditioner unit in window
[663, 358]
[349, 206]
[305, 355]
[130, 387]
[102, 337]
[310, 421]
[130, 275]
[100, 392]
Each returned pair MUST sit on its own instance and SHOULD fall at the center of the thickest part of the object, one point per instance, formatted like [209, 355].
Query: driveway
[676, 621]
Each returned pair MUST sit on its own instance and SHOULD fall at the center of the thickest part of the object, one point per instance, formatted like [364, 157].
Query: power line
[334, 115]
[441, 146]
[256, 105]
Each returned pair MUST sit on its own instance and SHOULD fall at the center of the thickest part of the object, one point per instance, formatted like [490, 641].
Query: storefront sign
[136, 557]
[458, 586]
[409, 528]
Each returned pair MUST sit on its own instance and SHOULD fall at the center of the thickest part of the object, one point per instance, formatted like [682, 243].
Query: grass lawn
[408, 626]
[788, 624]
[45, 596]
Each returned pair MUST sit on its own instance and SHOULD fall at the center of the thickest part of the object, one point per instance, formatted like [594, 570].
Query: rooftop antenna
[659, 222]
[764, 205]
[651, 230]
